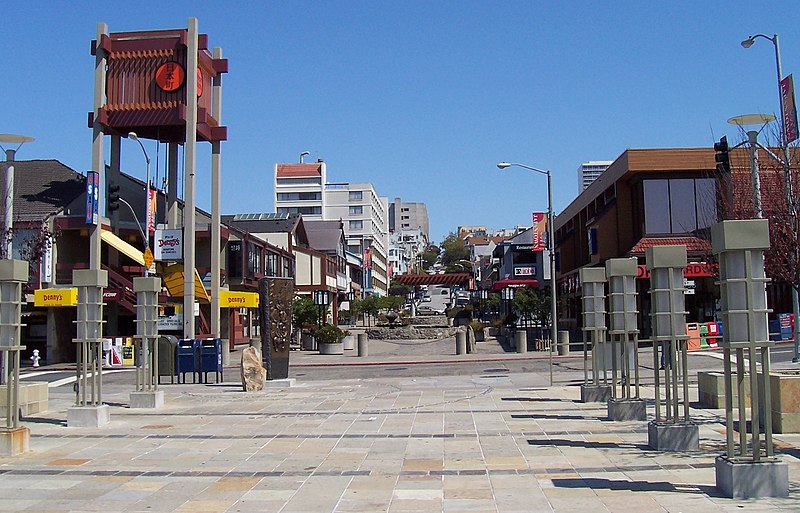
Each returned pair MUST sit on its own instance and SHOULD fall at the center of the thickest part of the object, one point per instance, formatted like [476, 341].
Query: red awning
[501, 284]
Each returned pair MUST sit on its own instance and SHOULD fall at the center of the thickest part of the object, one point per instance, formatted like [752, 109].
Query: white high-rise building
[589, 171]
[366, 228]
[298, 189]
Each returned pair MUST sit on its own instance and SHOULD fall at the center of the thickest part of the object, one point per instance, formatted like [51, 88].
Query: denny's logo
[55, 297]
[231, 299]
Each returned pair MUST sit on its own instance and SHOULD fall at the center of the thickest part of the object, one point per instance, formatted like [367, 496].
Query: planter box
[32, 398]
[325, 348]
[785, 395]
[711, 389]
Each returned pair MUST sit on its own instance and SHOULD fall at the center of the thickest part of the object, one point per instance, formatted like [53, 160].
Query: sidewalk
[499, 442]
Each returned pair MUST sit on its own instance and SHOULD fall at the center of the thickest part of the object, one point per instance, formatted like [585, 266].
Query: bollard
[461, 342]
[521, 337]
[362, 344]
[563, 343]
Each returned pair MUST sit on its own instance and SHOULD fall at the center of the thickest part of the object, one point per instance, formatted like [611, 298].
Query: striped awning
[413, 280]
[173, 280]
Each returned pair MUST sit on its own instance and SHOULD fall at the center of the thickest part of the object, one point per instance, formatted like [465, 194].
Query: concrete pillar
[362, 345]
[461, 342]
[563, 343]
[521, 338]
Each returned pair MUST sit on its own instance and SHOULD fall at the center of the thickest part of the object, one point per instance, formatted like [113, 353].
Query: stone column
[593, 282]
[14, 439]
[749, 467]
[147, 394]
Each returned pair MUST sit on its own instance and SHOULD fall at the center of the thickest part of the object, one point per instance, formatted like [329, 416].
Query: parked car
[427, 309]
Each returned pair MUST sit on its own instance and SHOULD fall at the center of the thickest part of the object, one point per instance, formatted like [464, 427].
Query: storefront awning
[173, 280]
[122, 246]
[501, 284]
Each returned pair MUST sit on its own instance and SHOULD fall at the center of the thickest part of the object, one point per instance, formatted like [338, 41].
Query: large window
[355, 196]
[357, 224]
[300, 210]
[679, 205]
[299, 181]
[356, 210]
[299, 196]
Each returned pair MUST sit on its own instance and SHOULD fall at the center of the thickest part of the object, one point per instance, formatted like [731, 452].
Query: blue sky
[420, 98]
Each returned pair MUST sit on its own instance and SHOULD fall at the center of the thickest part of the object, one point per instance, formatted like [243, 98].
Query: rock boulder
[254, 375]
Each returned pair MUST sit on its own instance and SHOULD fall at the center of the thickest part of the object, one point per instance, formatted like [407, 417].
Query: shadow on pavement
[635, 486]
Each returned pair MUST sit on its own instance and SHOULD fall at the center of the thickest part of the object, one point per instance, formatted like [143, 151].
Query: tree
[304, 312]
[398, 289]
[453, 250]
[390, 302]
[533, 304]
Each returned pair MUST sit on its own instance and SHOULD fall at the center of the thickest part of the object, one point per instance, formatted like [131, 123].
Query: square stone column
[14, 439]
[593, 283]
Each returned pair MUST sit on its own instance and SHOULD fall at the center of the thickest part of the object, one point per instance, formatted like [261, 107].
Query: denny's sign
[55, 297]
[232, 299]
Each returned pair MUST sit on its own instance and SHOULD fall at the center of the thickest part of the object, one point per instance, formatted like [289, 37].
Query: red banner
[789, 109]
[538, 230]
[693, 270]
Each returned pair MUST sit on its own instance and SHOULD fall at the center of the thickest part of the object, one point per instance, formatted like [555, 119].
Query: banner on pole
[538, 230]
[789, 109]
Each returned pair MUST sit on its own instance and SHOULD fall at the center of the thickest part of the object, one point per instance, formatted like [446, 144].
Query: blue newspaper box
[210, 359]
[775, 330]
[186, 358]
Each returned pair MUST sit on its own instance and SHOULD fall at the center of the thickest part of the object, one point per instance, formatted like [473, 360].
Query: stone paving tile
[457, 443]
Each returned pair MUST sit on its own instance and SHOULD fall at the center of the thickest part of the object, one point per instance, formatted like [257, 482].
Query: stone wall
[411, 333]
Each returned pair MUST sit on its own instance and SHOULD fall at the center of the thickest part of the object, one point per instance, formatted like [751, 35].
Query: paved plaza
[487, 441]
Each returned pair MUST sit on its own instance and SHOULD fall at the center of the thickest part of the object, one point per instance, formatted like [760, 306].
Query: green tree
[391, 302]
[453, 250]
[304, 312]
[533, 305]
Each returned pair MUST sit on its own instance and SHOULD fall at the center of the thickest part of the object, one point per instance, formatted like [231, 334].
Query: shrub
[329, 334]
[476, 326]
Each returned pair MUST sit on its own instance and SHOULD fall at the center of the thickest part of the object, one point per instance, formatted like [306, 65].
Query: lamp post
[550, 246]
[133, 136]
[8, 214]
[747, 43]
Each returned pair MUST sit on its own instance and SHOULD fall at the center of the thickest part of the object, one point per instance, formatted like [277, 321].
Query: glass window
[706, 199]
[356, 210]
[354, 249]
[357, 224]
[355, 196]
[300, 210]
[299, 181]
[299, 196]
[656, 206]
[682, 205]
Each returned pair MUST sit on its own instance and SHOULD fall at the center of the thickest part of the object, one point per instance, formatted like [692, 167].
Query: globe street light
[550, 247]
[747, 43]
[146, 231]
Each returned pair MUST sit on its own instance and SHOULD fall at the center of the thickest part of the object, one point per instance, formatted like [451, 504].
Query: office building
[589, 171]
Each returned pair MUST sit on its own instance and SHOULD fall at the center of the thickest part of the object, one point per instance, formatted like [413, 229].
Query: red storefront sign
[693, 270]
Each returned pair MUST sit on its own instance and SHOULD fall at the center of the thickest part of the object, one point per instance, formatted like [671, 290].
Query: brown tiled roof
[693, 244]
[299, 170]
[43, 188]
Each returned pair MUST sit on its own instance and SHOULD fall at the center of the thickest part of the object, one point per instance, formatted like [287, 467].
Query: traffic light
[113, 197]
[721, 157]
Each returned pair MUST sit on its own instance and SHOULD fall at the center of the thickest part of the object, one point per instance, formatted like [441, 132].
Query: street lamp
[133, 136]
[8, 214]
[747, 43]
[550, 245]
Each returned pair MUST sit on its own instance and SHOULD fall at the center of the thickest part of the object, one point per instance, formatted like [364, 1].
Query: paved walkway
[496, 442]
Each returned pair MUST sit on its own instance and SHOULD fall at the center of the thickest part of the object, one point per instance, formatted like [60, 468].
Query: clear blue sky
[420, 98]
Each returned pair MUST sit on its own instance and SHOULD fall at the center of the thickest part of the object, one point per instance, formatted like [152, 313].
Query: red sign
[199, 83]
[170, 76]
[789, 109]
[538, 230]
[151, 210]
[110, 295]
[694, 270]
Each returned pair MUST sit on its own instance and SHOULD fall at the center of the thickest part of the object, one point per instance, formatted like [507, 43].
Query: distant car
[426, 299]
[427, 309]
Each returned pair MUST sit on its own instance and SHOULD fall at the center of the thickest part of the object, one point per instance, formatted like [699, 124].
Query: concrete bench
[785, 392]
[33, 397]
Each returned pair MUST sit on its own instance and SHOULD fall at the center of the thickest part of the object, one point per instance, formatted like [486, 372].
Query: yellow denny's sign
[55, 297]
[232, 299]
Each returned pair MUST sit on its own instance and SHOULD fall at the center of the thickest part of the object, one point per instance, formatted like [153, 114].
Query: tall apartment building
[408, 216]
[366, 227]
[299, 189]
[304, 189]
[589, 171]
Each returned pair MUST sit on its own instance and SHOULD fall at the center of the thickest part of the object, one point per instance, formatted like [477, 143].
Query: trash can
[186, 359]
[210, 359]
[167, 353]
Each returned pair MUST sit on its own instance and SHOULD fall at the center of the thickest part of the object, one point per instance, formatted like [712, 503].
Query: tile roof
[432, 279]
[299, 170]
[43, 188]
[324, 236]
[693, 244]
